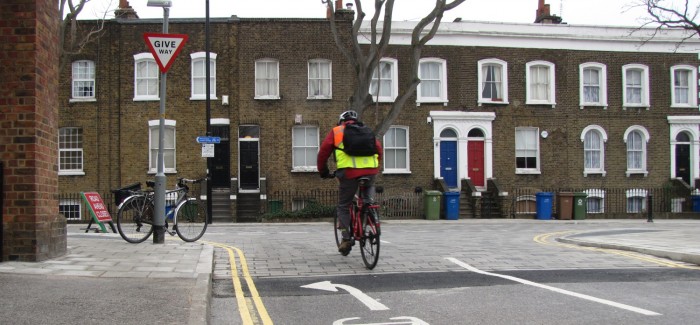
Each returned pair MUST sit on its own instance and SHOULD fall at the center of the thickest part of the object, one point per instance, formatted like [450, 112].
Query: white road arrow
[361, 296]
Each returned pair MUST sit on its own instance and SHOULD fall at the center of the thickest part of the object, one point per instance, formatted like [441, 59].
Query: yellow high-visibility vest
[343, 160]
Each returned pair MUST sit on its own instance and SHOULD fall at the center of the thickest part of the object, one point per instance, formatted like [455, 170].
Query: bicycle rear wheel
[135, 219]
[191, 219]
[369, 243]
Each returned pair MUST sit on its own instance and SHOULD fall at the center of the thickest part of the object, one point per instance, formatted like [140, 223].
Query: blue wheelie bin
[543, 201]
[451, 205]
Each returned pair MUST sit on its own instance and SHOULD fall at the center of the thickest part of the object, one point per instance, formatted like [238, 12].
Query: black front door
[249, 164]
[221, 163]
[683, 162]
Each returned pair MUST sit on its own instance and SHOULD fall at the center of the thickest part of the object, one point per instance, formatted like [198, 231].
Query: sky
[575, 12]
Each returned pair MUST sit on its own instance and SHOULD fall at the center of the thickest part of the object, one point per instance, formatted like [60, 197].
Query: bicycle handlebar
[330, 175]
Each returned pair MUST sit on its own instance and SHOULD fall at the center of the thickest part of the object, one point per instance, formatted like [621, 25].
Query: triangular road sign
[165, 47]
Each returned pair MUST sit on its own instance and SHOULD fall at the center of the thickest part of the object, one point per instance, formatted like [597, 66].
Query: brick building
[501, 108]
[31, 228]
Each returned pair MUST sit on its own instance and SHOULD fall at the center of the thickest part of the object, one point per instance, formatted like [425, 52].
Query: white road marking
[361, 296]
[558, 290]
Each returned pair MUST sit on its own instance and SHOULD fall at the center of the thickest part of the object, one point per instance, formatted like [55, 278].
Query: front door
[221, 163]
[475, 151]
[248, 157]
[448, 162]
[683, 162]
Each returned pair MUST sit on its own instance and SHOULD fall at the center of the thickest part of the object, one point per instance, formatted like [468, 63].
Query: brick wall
[33, 229]
[116, 126]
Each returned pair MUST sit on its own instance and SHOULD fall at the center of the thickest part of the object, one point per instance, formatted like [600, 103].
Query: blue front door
[448, 162]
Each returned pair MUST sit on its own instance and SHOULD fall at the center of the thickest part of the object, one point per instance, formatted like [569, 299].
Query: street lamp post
[160, 179]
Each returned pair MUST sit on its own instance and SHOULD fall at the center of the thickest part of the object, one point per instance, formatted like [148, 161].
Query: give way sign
[165, 47]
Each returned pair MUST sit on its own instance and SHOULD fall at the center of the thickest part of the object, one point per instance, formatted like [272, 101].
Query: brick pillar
[32, 228]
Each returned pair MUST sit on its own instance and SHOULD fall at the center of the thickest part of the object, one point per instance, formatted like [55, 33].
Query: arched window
[594, 138]
[636, 138]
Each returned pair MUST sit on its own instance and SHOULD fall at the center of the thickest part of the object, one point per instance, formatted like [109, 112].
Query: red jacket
[327, 148]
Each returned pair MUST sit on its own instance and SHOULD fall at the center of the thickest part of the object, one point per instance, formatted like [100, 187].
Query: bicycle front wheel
[135, 219]
[369, 243]
[191, 219]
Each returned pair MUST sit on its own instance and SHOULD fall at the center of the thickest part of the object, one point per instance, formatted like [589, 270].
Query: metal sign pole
[161, 179]
[208, 117]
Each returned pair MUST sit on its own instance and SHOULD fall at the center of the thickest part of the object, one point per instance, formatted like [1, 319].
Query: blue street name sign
[208, 139]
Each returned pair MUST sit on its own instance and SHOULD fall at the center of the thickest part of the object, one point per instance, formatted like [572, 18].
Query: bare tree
[75, 35]
[366, 59]
[671, 14]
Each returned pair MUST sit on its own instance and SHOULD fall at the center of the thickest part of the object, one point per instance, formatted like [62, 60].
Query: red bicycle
[364, 226]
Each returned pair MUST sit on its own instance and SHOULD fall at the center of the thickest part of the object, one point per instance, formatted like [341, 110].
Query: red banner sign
[98, 207]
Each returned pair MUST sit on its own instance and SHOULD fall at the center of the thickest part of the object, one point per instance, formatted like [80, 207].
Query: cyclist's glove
[325, 173]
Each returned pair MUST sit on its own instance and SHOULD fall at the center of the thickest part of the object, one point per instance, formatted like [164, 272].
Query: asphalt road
[444, 274]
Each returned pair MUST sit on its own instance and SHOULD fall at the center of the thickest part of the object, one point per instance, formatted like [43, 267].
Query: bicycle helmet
[347, 116]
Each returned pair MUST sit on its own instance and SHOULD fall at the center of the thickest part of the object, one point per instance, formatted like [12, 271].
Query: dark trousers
[346, 192]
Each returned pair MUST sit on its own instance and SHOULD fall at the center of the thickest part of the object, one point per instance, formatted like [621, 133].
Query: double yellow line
[545, 240]
[248, 312]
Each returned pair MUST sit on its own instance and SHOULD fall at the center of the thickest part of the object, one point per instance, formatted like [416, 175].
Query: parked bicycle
[364, 226]
[187, 214]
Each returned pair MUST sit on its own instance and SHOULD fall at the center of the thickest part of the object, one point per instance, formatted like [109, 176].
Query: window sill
[71, 173]
[384, 100]
[304, 170]
[430, 101]
[267, 98]
[683, 106]
[153, 172]
[637, 172]
[597, 172]
[82, 100]
[146, 99]
[396, 172]
[493, 102]
[593, 105]
[203, 98]
[319, 98]
[541, 103]
[527, 172]
[626, 106]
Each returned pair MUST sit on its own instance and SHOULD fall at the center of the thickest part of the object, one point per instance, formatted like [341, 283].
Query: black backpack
[359, 140]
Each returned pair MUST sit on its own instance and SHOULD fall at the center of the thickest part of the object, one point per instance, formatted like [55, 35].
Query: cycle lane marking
[544, 240]
[555, 289]
[246, 317]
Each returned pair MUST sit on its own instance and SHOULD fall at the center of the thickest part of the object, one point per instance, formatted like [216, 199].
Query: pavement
[106, 280]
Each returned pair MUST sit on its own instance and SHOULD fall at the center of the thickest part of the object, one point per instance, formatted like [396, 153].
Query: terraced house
[504, 111]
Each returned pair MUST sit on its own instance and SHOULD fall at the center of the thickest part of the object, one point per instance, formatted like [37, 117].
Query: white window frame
[75, 206]
[603, 139]
[481, 79]
[442, 97]
[139, 76]
[83, 75]
[692, 86]
[602, 85]
[636, 193]
[644, 86]
[535, 131]
[199, 76]
[276, 81]
[73, 138]
[598, 194]
[550, 89]
[397, 149]
[310, 166]
[394, 81]
[645, 140]
[154, 125]
[320, 80]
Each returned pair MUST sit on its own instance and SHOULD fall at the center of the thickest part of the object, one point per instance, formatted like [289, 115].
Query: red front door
[475, 153]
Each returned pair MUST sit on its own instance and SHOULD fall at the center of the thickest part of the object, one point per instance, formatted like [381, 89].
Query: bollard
[650, 218]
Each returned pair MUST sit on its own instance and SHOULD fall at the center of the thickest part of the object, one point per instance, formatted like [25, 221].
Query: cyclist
[349, 169]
